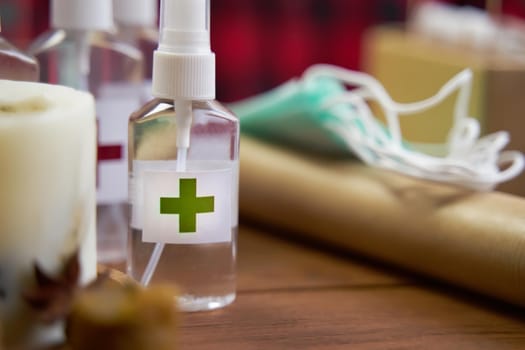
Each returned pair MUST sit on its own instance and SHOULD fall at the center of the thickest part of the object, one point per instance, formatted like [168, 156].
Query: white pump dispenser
[183, 64]
[194, 244]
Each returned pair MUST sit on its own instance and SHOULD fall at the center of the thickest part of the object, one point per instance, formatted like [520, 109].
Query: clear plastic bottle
[184, 164]
[137, 25]
[204, 272]
[81, 53]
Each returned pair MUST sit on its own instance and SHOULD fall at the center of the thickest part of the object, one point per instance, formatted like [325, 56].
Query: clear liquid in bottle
[203, 268]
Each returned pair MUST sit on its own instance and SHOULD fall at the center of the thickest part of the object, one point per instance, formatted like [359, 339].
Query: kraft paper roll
[474, 240]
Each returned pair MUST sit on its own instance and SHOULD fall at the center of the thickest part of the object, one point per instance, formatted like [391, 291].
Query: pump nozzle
[142, 13]
[185, 27]
[183, 64]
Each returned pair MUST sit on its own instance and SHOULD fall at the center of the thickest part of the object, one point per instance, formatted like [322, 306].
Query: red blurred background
[262, 43]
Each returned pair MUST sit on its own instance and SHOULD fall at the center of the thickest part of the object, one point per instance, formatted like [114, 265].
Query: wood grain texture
[470, 239]
[291, 297]
[266, 263]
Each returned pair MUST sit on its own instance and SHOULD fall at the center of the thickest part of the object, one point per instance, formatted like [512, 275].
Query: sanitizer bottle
[137, 25]
[184, 149]
[81, 53]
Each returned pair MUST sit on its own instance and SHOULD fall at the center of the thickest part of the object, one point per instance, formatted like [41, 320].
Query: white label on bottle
[190, 207]
[114, 105]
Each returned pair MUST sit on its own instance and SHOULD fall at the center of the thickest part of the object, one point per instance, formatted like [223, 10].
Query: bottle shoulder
[55, 39]
[8, 49]
[46, 41]
[164, 108]
[15, 64]
[216, 108]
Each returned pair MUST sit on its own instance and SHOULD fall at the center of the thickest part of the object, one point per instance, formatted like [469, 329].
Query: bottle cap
[183, 64]
[82, 14]
[141, 13]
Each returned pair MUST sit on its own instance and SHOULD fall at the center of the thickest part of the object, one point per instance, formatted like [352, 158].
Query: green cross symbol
[188, 205]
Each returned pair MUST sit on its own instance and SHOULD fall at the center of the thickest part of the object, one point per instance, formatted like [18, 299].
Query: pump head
[183, 64]
[141, 13]
[82, 14]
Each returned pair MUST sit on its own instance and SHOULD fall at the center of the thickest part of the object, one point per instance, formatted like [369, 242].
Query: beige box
[413, 68]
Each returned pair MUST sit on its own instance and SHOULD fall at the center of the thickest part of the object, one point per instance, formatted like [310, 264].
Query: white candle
[47, 192]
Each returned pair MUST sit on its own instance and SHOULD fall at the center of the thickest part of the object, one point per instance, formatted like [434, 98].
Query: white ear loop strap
[471, 162]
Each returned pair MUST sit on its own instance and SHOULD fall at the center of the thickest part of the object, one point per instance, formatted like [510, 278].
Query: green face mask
[318, 113]
[294, 114]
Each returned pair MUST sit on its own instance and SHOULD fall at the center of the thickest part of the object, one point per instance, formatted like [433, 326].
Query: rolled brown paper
[474, 240]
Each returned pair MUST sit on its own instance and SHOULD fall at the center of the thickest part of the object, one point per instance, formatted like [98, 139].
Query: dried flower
[51, 297]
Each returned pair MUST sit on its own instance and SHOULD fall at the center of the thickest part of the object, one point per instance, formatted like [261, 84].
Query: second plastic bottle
[80, 52]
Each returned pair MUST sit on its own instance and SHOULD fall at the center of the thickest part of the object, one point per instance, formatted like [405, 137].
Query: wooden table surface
[293, 296]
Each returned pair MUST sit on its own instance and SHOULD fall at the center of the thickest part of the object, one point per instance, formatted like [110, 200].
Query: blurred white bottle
[137, 25]
[81, 52]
